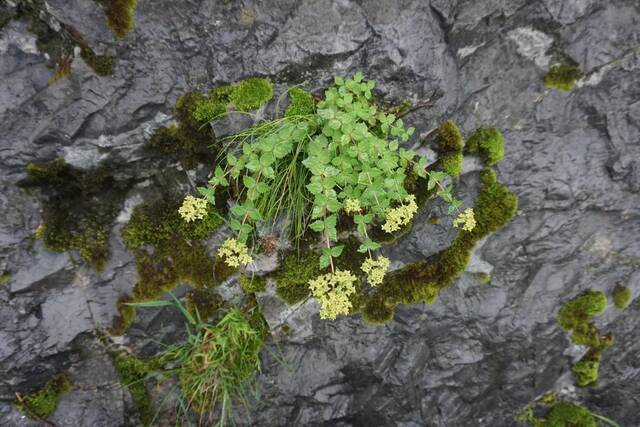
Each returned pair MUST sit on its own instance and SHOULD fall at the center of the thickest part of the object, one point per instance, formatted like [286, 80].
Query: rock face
[482, 351]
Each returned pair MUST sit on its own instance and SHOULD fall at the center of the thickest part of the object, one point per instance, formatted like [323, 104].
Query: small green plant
[343, 158]
[562, 77]
[43, 402]
[622, 297]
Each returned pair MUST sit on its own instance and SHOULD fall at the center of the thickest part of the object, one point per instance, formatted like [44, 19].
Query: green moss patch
[482, 277]
[251, 94]
[253, 284]
[562, 77]
[622, 297]
[576, 317]
[119, 14]
[449, 147]
[79, 208]
[168, 252]
[43, 402]
[488, 143]
[133, 373]
[189, 142]
[246, 95]
[101, 64]
[301, 103]
[5, 277]
[292, 278]
[419, 282]
[559, 414]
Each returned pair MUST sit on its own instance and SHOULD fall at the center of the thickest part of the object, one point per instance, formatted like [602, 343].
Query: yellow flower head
[193, 208]
[333, 291]
[352, 206]
[375, 269]
[400, 216]
[235, 253]
[466, 219]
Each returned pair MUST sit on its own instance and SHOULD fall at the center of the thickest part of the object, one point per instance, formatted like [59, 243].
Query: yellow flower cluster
[375, 269]
[333, 291]
[400, 216]
[235, 253]
[466, 219]
[352, 206]
[193, 208]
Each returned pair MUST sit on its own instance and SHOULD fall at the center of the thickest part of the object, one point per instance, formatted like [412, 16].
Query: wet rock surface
[476, 356]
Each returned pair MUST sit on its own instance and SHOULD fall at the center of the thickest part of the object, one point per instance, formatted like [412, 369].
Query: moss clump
[126, 316]
[292, 278]
[253, 284]
[449, 137]
[5, 277]
[562, 77]
[561, 414]
[133, 373]
[622, 297]
[301, 103]
[566, 414]
[119, 14]
[575, 316]
[495, 206]
[203, 302]
[586, 370]
[251, 94]
[189, 141]
[168, 251]
[101, 64]
[43, 402]
[214, 105]
[449, 147]
[73, 218]
[452, 164]
[488, 143]
[482, 277]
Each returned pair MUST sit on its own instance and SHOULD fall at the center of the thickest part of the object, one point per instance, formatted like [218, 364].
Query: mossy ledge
[422, 281]
[576, 317]
[43, 402]
[168, 251]
[73, 219]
